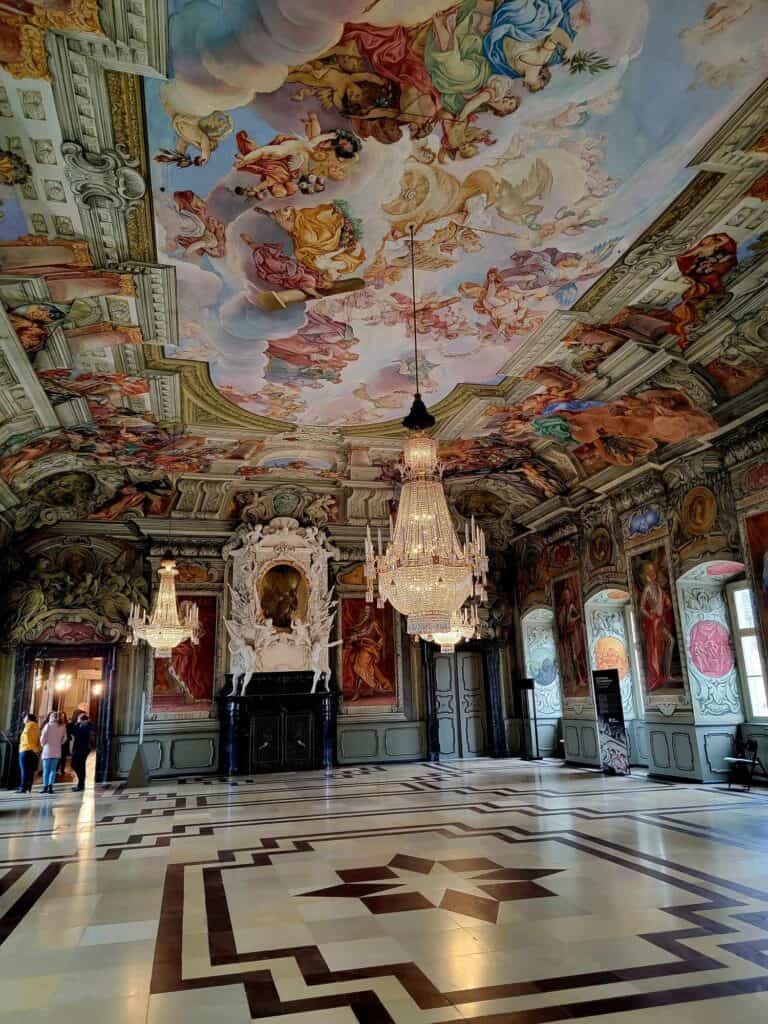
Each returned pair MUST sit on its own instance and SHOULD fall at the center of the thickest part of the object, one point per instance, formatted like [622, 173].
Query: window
[748, 654]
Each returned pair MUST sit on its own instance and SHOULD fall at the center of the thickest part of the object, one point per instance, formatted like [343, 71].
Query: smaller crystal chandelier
[464, 626]
[163, 629]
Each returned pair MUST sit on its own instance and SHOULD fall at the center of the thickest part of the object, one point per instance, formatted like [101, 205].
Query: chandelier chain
[413, 302]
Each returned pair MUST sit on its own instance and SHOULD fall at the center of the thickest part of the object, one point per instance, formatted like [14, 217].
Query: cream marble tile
[343, 955]
[128, 931]
[200, 1006]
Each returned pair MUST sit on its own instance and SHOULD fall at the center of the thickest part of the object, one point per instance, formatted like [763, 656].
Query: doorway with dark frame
[464, 707]
[68, 679]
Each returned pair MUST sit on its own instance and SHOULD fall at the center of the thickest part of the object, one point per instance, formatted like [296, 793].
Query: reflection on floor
[484, 891]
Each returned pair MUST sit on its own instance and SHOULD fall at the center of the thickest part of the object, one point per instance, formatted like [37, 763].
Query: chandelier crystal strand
[426, 573]
[464, 626]
[164, 630]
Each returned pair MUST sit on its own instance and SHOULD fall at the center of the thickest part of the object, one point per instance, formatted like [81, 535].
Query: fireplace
[276, 723]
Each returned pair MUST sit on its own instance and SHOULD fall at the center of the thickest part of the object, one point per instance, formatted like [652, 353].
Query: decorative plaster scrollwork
[109, 178]
[679, 377]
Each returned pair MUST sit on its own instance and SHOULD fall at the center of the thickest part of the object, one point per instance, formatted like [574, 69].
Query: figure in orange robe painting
[368, 654]
[657, 625]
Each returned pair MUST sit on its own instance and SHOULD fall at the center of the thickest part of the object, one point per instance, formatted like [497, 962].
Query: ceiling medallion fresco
[204, 257]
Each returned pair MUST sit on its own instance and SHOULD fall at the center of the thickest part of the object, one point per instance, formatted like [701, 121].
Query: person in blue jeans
[52, 738]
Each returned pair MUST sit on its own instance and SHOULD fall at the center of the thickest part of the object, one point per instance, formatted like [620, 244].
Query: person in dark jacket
[80, 734]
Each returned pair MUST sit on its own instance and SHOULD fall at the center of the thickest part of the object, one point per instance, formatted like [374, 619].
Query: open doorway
[68, 683]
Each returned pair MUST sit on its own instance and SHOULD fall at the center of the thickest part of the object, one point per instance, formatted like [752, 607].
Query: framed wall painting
[183, 685]
[571, 634]
[756, 544]
[369, 659]
[653, 599]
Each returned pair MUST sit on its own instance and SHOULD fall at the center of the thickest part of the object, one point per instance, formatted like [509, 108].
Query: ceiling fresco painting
[205, 267]
[522, 139]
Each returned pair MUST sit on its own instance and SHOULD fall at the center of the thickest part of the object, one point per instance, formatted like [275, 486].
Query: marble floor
[483, 891]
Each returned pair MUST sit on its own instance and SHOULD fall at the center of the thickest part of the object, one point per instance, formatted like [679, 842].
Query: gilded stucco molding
[202, 404]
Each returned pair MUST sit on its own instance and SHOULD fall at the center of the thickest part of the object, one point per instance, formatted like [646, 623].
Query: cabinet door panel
[266, 743]
[299, 739]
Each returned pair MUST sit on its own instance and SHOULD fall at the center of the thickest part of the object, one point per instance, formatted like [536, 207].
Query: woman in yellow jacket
[29, 752]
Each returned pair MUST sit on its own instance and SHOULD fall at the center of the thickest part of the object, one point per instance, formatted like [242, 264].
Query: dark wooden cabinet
[276, 725]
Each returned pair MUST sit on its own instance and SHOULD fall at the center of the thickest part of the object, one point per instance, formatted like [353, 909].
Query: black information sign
[614, 749]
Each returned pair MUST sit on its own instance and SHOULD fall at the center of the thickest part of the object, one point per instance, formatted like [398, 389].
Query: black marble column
[497, 735]
[233, 737]
[428, 666]
[104, 725]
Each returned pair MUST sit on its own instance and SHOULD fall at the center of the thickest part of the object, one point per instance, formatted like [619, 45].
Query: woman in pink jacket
[52, 738]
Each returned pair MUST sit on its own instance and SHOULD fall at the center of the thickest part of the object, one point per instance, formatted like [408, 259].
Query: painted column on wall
[709, 652]
[609, 645]
[541, 661]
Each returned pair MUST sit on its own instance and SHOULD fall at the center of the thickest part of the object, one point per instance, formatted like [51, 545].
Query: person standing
[29, 752]
[80, 733]
[52, 738]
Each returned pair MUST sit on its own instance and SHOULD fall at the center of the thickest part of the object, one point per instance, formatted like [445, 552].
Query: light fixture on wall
[62, 683]
[426, 572]
[464, 626]
[164, 629]
[97, 689]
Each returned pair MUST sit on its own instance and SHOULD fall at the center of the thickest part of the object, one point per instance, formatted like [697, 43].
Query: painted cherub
[289, 161]
[201, 133]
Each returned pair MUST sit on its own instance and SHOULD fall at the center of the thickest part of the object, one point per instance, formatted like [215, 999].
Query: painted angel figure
[201, 133]
[507, 307]
[528, 37]
[291, 164]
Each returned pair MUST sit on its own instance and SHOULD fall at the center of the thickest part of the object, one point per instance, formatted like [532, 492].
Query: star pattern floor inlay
[496, 892]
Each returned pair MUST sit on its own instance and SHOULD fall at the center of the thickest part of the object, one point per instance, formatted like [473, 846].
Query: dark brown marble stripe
[27, 900]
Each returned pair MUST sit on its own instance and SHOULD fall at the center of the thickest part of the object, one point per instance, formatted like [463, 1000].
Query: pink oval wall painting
[710, 648]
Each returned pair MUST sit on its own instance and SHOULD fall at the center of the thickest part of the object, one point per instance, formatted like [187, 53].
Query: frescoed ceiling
[204, 245]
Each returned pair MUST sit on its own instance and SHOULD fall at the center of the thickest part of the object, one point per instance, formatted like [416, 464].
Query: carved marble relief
[71, 590]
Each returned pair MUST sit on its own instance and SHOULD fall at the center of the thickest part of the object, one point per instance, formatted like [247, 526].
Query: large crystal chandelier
[426, 572]
[164, 629]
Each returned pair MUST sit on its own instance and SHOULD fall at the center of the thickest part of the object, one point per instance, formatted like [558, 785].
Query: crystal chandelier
[164, 630]
[464, 625]
[426, 572]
